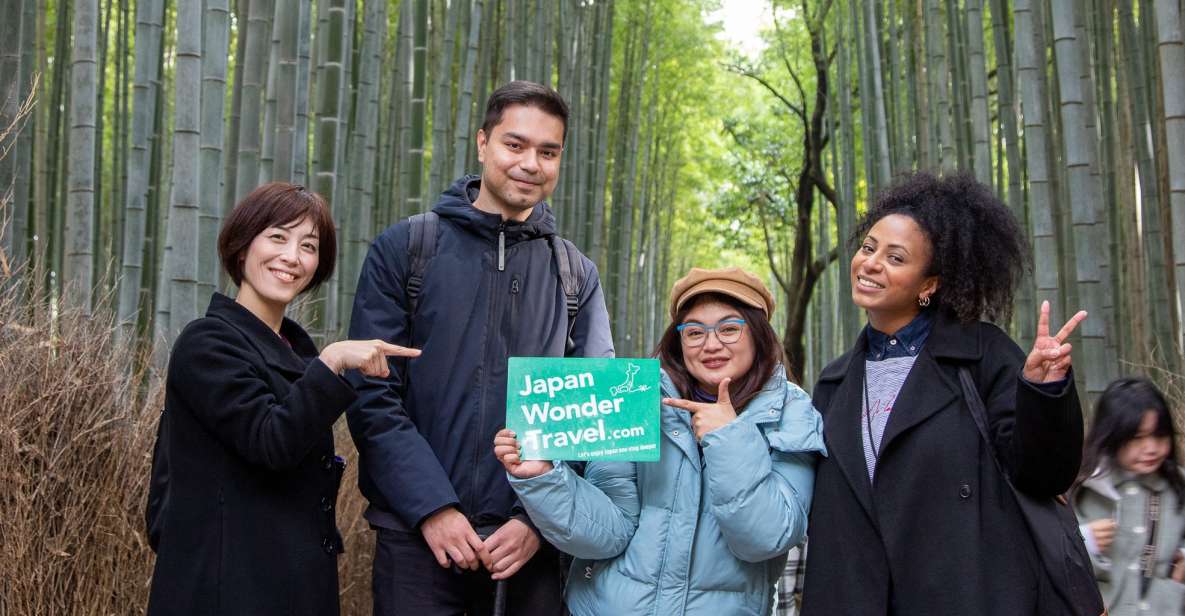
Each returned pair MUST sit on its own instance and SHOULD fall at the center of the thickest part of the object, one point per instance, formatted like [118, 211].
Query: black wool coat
[241, 504]
[938, 532]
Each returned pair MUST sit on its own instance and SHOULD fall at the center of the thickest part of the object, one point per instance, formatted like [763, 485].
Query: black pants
[409, 581]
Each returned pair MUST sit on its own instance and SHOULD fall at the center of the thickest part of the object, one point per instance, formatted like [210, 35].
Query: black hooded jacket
[425, 434]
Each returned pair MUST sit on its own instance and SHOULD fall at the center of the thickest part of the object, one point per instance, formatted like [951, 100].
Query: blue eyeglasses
[695, 334]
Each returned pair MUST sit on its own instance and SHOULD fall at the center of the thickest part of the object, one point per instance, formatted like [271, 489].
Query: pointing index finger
[396, 350]
[686, 405]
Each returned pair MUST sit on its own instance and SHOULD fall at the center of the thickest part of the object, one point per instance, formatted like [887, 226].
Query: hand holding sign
[579, 408]
[506, 450]
[368, 356]
[1049, 360]
[707, 416]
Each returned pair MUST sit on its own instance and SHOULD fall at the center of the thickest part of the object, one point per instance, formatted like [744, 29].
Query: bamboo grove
[142, 121]
[152, 118]
[1074, 111]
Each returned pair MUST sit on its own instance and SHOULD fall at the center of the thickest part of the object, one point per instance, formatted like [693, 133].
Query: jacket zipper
[515, 287]
[481, 401]
[502, 247]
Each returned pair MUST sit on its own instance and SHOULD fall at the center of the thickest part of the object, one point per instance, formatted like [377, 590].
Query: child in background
[1129, 498]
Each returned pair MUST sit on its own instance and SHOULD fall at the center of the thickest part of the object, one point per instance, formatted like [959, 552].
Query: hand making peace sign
[707, 416]
[1049, 360]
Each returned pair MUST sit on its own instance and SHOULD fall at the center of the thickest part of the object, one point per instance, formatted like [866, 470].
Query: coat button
[327, 463]
[327, 545]
[964, 491]
[326, 504]
[674, 433]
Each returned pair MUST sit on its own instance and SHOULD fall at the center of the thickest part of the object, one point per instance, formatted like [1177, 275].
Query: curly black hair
[979, 252]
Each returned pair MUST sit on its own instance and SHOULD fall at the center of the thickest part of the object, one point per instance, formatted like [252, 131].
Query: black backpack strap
[421, 247]
[570, 267]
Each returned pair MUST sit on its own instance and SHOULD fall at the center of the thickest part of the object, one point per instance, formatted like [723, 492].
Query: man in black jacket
[490, 290]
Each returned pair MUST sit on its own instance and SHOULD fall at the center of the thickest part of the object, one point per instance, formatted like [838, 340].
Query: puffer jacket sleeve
[759, 485]
[593, 517]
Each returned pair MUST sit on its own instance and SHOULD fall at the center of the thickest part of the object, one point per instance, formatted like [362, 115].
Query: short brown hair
[767, 352]
[526, 93]
[276, 204]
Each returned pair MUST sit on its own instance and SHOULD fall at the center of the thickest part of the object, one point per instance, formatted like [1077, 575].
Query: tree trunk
[1080, 157]
[442, 104]
[285, 71]
[981, 128]
[845, 219]
[181, 253]
[605, 45]
[300, 147]
[254, 81]
[78, 266]
[415, 150]
[1030, 59]
[1158, 309]
[214, 55]
[1171, 52]
[463, 136]
[363, 153]
[231, 149]
[938, 77]
[877, 96]
[10, 104]
[1024, 314]
[333, 31]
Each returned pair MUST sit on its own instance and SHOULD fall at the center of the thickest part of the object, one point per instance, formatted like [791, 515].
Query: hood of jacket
[1106, 480]
[456, 205]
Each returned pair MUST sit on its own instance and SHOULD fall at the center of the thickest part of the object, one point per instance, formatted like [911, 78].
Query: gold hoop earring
[924, 301]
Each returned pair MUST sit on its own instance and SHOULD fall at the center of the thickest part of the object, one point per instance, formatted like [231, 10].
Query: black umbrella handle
[500, 598]
[500, 586]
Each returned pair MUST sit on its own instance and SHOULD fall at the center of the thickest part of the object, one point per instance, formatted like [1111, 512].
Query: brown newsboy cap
[731, 281]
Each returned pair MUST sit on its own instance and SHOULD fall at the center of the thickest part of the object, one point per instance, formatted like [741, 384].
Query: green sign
[584, 409]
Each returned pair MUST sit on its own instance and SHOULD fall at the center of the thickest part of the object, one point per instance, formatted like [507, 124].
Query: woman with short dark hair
[244, 476]
[911, 515]
[705, 529]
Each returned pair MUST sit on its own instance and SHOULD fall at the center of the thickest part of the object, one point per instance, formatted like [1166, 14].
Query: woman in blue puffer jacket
[704, 530]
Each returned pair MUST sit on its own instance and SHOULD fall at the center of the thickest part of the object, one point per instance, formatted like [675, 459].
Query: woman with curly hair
[911, 514]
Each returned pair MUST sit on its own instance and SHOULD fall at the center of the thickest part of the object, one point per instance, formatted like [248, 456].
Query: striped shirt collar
[906, 342]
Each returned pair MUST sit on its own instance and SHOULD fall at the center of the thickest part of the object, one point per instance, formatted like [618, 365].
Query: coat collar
[275, 351]
[948, 339]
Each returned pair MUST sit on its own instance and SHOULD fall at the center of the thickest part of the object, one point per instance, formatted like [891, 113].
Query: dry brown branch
[76, 442]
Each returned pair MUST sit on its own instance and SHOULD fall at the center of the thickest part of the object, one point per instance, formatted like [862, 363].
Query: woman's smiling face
[280, 262]
[714, 361]
[890, 272]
